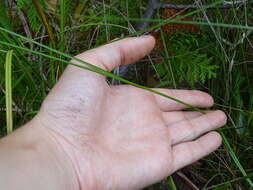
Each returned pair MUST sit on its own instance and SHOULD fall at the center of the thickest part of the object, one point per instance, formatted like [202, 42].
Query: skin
[89, 135]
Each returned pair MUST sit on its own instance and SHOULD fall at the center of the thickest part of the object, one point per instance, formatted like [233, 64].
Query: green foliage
[21, 3]
[5, 20]
[189, 63]
[70, 6]
[32, 15]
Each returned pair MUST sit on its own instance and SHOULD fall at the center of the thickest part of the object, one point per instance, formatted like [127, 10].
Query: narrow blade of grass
[168, 59]
[62, 24]
[8, 92]
[171, 183]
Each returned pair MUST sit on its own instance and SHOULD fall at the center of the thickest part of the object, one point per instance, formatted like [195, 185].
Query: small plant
[188, 62]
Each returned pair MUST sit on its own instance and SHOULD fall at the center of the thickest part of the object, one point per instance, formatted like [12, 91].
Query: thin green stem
[168, 60]
[62, 24]
[102, 72]
[172, 183]
[8, 91]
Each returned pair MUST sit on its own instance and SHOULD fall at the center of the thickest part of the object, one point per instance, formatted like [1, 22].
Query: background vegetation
[213, 52]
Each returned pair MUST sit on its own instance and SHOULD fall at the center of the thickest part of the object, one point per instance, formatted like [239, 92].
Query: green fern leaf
[189, 63]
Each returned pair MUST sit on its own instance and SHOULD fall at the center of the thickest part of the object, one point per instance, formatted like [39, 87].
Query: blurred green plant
[188, 60]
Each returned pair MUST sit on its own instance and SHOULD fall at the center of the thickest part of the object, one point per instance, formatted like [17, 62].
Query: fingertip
[210, 100]
[222, 116]
[150, 37]
[204, 97]
[214, 140]
[151, 41]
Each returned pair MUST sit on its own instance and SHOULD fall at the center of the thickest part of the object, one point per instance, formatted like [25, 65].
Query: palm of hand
[122, 137]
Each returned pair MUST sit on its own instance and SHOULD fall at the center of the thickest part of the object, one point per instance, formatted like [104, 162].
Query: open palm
[122, 137]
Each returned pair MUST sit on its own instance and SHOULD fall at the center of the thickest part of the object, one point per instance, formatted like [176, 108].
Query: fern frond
[188, 62]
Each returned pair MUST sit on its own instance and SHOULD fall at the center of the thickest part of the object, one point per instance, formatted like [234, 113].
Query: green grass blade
[168, 59]
[95, 24]
[8, 92]
[235, 159]
[62, 23]
[22, 61]
[176, 20]
[171, 183]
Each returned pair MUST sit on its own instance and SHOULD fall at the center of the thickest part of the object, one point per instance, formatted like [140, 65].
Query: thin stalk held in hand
[91, 67]
[102, 72]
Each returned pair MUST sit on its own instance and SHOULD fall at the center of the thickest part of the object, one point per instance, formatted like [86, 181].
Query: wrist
[32, 159]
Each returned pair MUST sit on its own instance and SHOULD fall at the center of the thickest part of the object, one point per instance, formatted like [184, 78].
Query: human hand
[122, 137]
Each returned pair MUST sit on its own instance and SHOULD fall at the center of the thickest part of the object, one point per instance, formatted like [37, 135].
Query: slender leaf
[8, 91]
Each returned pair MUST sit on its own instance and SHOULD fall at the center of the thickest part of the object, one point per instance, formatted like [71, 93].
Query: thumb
[76, 80]
[122, 52]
